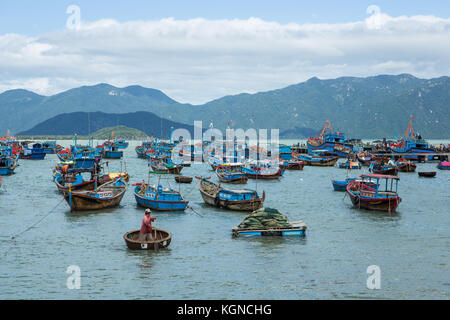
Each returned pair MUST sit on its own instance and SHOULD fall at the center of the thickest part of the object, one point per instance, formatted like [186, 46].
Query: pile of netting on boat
[265, 218]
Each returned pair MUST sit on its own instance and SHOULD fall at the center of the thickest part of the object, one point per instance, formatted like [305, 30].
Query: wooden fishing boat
[36, 152]
[159, 198]
[110, 150]
[162, 239]
[121, 143]
[319, 160]
[73, 182]
[262, 169]
[183, 179]
[383, 168]
[165, 168]
[429, 174]
[298, 229]
[105, 196]
[405, 165]
[341, 185]
[383, 197]
[443, 165]
[293, 164]
[364, 158]
[240, 200]
[8, 161]
[350, 165]
[231, 173]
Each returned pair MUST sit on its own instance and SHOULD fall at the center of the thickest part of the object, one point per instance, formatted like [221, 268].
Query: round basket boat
[183, 179]
[163, 239]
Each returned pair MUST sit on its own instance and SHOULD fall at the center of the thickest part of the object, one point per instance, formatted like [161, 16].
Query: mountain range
[371, 107]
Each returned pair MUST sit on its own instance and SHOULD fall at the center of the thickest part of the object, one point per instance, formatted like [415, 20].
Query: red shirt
[147, 224]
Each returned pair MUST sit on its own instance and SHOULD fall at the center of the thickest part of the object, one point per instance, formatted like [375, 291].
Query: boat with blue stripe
[330, 141]
[8, 161]
[159, 198]
[36, 152]
[298, 230]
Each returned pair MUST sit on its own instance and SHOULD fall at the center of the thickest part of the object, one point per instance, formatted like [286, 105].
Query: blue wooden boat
[298, 229]
[50, 147]
[319, 158]
[350, 165]
[382, 197]
[262, 169]
[231, 173]
[330, 141]
[413, 144]
[74, 179]
[36, 152]
[159, 198]
[231, 199]
[121, 143]
[285, 152]
[110, 150]
[380, 167]
[443, 165]
[341, 185]
[8, 161]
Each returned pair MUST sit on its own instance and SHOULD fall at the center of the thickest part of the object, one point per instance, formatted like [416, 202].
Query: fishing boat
[412, 146]
[405, 165]
[350, 165]
[319, 158]
[105, 196]
[383, 197]
[214, 162]
[330, 141]
[341, 185]
[121, 143]
[74, 179]
[110, 150]
[8, 161]
[383, 168]
[183, 179]
[443, 165]
[425, 174]
[298, 229]
[241, 200]
[165, 168]
[36, 152]
[293, 164]
[50, 147]
[364, 158]
[159, 198]
[262, 169]
[231, 173]
[162, 239]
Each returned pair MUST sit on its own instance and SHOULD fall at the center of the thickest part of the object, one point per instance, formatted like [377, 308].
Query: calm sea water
[411, 247]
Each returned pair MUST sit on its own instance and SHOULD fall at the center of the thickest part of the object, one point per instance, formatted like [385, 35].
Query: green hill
[119, 132]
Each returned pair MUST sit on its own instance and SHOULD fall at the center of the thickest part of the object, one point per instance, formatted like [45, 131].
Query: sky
[196, 51]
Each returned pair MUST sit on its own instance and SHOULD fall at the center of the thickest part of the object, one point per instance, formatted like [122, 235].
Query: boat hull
[161, 205]
[33, 156]
[431, 174]
[85, 202]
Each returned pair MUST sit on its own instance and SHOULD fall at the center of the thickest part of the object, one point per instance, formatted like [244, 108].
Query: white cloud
[197, 60]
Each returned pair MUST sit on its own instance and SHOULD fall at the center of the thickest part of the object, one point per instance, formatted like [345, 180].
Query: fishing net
[265, 218]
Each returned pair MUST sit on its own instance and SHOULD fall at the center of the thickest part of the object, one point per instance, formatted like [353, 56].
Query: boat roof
[379, 176]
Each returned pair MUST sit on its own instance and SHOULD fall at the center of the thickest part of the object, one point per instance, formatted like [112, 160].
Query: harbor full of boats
[223, 198]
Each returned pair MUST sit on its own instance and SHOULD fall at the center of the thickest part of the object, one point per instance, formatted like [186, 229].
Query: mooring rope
[37, 222]
[195, 211]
